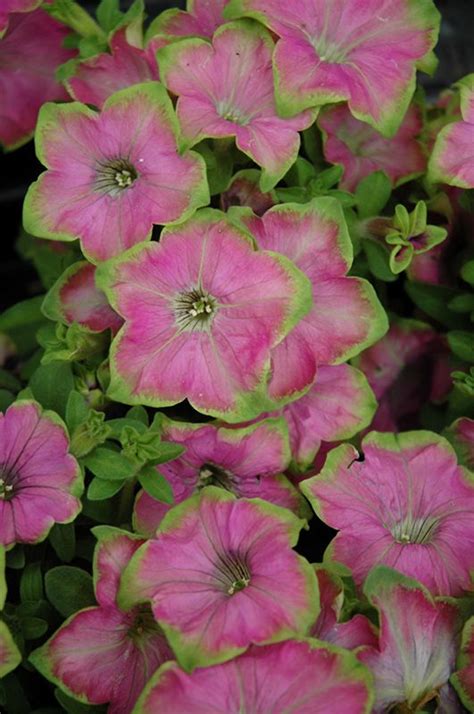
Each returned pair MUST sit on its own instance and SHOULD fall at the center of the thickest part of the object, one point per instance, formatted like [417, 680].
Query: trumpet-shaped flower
[417, 650]
[452, 160]
[248, 462]
[105, 654]
[361, 150]
[97, 78]
[300, 676]
[225, 89]
[221, 574]
[406, 504]
[76, 298]
[365, 53]
[30, 52]
[112, 175]
[40, 482]
[346, 315]
[202, 311]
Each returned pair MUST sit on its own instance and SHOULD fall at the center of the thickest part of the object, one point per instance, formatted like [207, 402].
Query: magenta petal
[461, 435]
[202, 19]
[405, 505]
[300, 676]
[463, 679]
[405, 673]
[221, 574]
[113, 553]
[41, 482]
[30, 52]
[98, 78]
[15, 6]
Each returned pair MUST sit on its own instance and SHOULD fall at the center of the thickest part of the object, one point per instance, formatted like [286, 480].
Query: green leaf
[372, 194]
[73, 707]
[31, 583]
[117, 425]
[463, 303]
[434, 301]
[100, 489]
[77, 410]
[378, 260]
[111, 465]
[108, 14]
[52, 384]
[69, 589]
[168, 452]
[155, 484]
[462, 344]
[8, 381]
[21, 322]
[6, 398]
[63, 539]
[467, 272]
[33, 627]
[15, 558]
[138, 413]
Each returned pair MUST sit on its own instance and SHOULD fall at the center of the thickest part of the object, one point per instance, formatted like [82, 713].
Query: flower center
[115, 175]
[232, 573]
[328, 51]
[195, 310]
[418, 531]
[143, 623]
[231, 113]
[212, 475]
[6, 485]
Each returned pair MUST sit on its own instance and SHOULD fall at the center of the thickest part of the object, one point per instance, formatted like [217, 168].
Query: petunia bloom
[461, 436]
[10, 656]
[203, 310]
[361, 150]
[463, 678]
[346, 315]
[105, 654]
[452, 160]
[335, 50]
[226, 89]
[221, 575]
[417, 650]
[248, 462]
[97, 78]
[356, 632]
[201, 19]
[30, 52]
[299, 676]
[112, 175]
[76, 298]
[15, 6]
[406, 504]
[40, 482]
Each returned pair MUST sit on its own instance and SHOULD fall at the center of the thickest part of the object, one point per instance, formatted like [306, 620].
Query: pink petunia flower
[202, 311]
[406, 504]
[299, 676]
[30, 52]
[361, 150]
[335, 50]
[40, 482]
[201, 19]
[76, 298]
[15, 6]
[10, 656]
[106, 654]
[346, 315]
[452, 160]
[244, 190]
[112, 175]
[405, 369]
[248, 462]
[226, 89]
[461, 436]
[417, 650]
[463, 678]
[221, 574]
[356, 632]
[97, 78]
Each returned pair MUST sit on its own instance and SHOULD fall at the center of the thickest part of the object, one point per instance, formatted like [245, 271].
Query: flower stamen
[194, 309]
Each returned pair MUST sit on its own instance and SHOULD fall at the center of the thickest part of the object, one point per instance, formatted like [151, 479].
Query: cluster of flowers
[227, 302]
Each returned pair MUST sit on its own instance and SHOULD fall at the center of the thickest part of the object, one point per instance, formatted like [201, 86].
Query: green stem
[127, 495]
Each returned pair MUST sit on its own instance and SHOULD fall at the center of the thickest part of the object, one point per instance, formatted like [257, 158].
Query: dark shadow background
[17, 169]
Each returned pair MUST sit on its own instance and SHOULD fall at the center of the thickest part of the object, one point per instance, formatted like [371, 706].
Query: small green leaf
[63, 539]
[462, 344]
[100, 489]
[138, 413]
[378, 260]
[111, 465]
[155, 484]
[168, 452]
[31, 583]
[108, 14]
[73, 707]
[15, 558]
[372, 194]
[52, 384]
[33, 627]
[434, 301]
[69, 589]
[467, 272]
[21, 322]
[6, 398]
